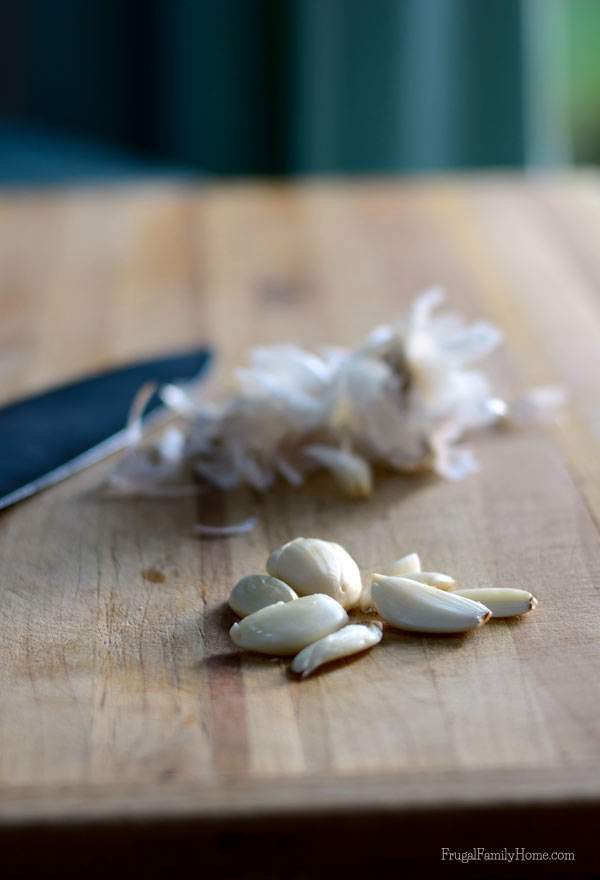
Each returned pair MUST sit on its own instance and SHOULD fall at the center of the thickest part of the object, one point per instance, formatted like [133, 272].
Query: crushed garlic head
[404, 399]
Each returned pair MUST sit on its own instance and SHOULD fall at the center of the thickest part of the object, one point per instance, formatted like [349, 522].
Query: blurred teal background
[104, 88]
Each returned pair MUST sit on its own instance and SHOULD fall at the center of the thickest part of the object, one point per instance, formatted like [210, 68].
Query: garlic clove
[256, 591]
[404, 567]
[346, 641]
[287, 627]
[365, 602]
[434, 579]
[310, 565]
[409, 605]
[351, 472]
[502, 601]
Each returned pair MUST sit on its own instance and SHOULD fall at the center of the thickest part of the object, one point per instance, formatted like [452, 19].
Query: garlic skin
[409, 605]
[351, 472]
[404, 397]
[287, 627]
[404, 567]
[434, 579]
[256, 591]
[310, 565]
[348, 640]
[502, 601]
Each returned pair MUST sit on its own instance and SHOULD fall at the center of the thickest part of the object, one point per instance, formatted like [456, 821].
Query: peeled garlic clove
[349, 640]
[365, 602]
[502, 601]
[310, 565]
[410, 605]
[434, 579]
[351, 472]
[287, 627]
[256, 591]
[404, 567]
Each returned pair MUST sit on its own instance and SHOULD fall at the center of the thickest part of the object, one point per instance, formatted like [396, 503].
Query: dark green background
[265, 86]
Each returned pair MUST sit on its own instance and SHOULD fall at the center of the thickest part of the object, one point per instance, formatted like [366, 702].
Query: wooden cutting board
[129, 723]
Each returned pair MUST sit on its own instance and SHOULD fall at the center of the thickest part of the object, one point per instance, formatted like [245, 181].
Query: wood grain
[121, 694]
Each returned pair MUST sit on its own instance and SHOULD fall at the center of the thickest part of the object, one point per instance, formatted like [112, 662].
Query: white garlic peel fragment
[351, 472]
[434, 579]
[502, 601]
[403, 398]
[351, 639]
[409, 605]
[256, 591]
[310, 565]
[287, 627]
[404, 567]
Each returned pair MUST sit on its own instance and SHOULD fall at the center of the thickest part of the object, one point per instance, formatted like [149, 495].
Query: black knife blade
[47, 437]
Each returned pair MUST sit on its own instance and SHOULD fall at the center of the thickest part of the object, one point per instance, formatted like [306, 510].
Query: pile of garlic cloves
[300, 608]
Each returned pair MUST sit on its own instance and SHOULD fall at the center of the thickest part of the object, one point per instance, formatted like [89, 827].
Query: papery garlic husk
[409, 605]
[434, 579]
[404, 398]
[310, 565]
[406, 566]
[287, 627]
[348, 640]
[502, 601]
[351, 472]
[540, 405]
[256, 591]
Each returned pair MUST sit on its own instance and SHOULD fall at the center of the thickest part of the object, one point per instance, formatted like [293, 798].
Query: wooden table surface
[125, 713]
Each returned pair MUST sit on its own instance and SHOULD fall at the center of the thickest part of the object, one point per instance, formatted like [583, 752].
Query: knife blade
[47, 437]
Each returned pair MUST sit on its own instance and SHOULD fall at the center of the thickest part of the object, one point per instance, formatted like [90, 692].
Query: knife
[48, 437]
